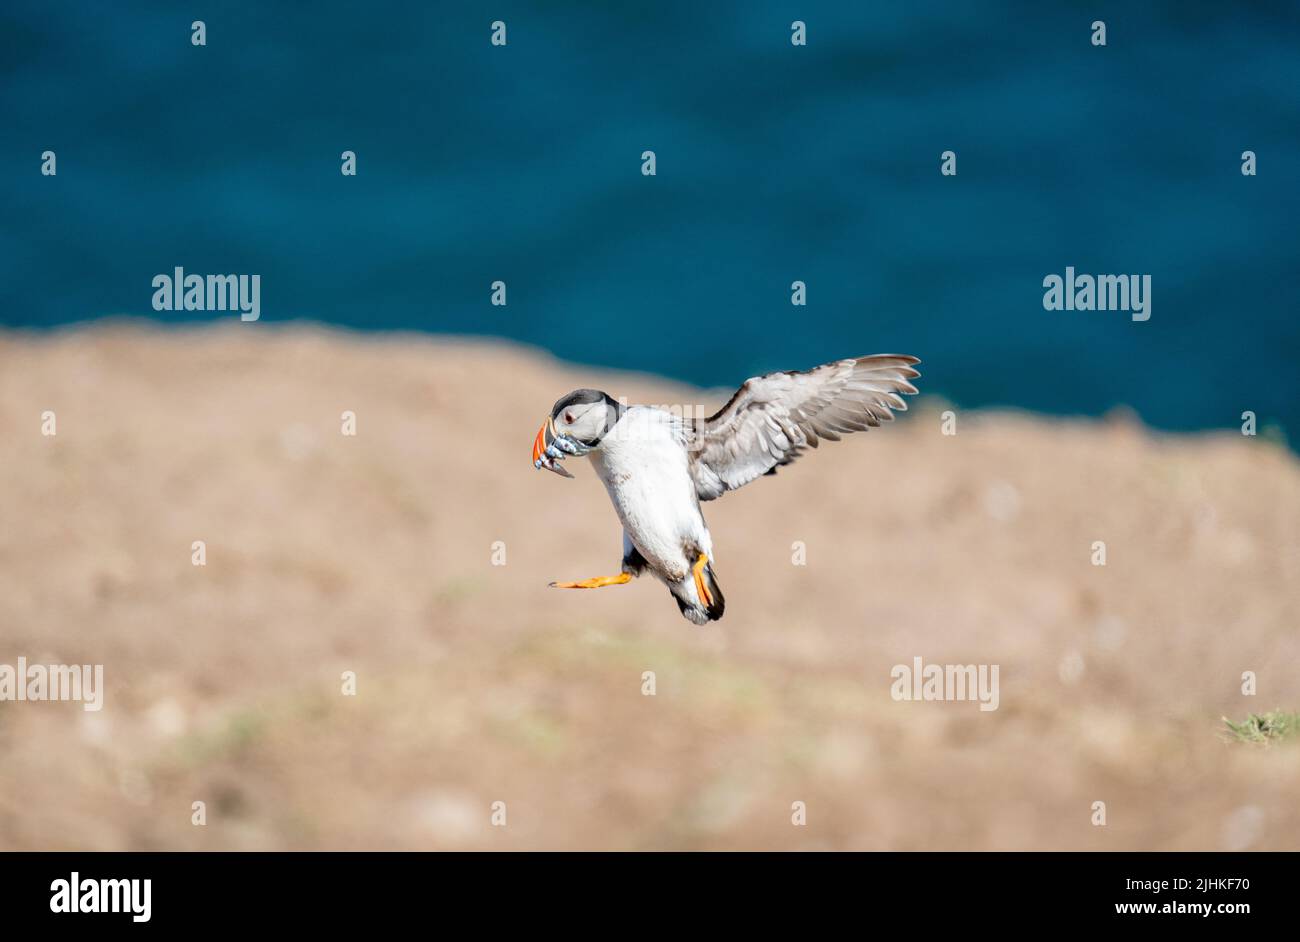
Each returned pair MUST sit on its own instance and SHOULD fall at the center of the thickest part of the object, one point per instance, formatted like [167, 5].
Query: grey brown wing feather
[772, 419]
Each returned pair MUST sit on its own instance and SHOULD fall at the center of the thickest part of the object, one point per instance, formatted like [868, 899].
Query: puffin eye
[568, 418]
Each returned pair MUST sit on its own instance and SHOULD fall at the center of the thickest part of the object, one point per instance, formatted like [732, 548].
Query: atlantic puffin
[658, 465]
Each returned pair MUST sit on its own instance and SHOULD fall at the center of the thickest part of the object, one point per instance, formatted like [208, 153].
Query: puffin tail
[701, 608]
[717, 604]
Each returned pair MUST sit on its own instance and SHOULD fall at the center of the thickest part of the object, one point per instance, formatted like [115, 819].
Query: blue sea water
[774, 164]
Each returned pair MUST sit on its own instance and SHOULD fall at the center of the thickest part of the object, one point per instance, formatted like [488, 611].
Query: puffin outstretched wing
[772, 418]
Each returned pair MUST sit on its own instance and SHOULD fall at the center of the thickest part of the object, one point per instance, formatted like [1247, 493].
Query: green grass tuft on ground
[1265, 728]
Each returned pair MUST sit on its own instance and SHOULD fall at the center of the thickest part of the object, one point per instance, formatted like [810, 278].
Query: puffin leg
[595, 583]
[700, 587]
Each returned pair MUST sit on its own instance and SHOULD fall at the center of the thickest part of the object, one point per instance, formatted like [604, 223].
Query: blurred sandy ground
[477, 684]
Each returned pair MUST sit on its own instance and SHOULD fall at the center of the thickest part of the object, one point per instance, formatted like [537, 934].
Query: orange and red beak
[545, 435]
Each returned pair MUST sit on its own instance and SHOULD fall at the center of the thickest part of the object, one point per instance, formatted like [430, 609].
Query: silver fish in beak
[542, 450]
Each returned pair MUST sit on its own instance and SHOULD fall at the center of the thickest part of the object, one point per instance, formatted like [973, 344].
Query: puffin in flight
[658, 466]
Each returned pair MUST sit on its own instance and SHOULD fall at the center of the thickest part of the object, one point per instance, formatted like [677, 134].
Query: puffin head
[579, 421]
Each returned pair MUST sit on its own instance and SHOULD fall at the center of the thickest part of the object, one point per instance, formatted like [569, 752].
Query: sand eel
[658, 466]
